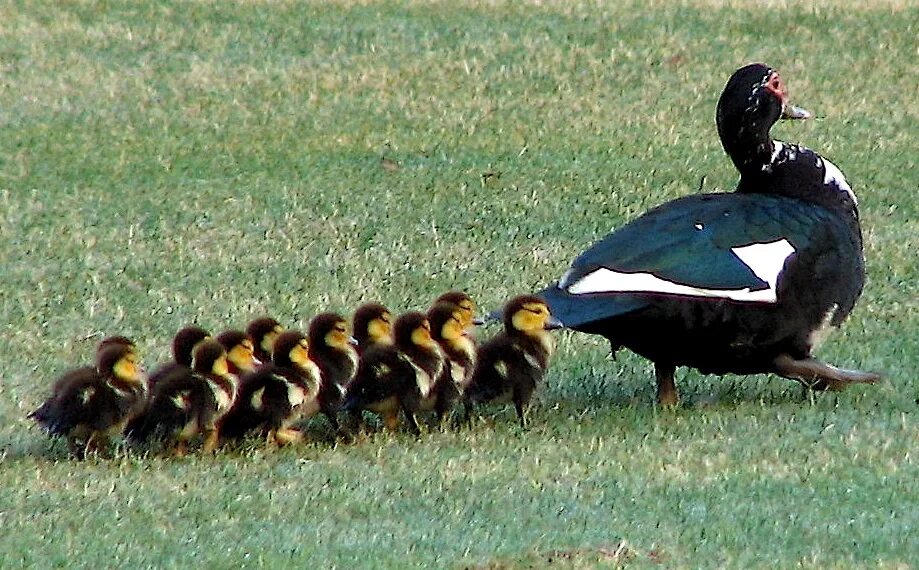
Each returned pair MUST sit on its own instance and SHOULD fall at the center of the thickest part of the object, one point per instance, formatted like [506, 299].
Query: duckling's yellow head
[240, 349]
[121, 362]
[210, 358]
[448, 321]
[291, 349]
[372, 324]
[461, 300]
[527, 314]
[330, 329]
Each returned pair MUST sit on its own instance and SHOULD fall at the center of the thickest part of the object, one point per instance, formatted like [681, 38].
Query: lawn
[171, 162]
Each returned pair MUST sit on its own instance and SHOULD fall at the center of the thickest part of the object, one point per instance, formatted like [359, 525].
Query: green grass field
[170, 162]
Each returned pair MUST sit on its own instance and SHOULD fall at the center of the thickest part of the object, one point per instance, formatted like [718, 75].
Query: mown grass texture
[170, 162]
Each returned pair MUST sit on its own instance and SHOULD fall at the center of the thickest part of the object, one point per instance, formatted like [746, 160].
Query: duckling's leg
[211, 439]
[76, 447]
[667, 395]
[391, 419]
[819, 375]
[285, 436]
[333, 419]
[521, 412]
[411, 421]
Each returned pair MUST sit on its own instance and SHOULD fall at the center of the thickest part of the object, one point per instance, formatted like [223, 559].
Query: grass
[170, 162]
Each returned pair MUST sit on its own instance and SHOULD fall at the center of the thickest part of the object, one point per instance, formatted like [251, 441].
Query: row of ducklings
[267, 381]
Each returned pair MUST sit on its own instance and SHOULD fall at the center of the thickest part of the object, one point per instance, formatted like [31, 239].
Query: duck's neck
[750, 147]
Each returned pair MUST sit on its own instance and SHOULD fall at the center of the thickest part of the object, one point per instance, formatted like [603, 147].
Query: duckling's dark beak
[794, 112]
[478, 321]
[257, 361]
[552, 323]
[352, 341]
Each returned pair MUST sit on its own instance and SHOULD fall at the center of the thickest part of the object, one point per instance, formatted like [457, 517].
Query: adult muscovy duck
[744, 282]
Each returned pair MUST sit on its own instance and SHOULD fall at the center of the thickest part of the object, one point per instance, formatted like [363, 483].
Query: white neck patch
[832, 176]
[765, 260]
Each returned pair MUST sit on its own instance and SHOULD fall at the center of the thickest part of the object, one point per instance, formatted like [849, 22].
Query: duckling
[88, 406]
[191, 402]
[510, 365]
[449, 327]
[183, 344]
[240, 352]
[400, 376]
[372, 325]
[264, 331]
[462, 300]
[276, 395]
[332, 350]
[90, 370]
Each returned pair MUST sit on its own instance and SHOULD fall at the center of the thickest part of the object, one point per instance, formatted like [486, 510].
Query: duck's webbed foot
[818, 375]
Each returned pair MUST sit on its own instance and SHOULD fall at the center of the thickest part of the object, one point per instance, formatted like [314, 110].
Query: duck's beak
[478, 321]
[352, 341]
[794, 112]
[553, 323]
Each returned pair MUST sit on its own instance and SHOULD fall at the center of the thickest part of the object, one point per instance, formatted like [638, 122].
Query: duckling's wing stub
[719, 246]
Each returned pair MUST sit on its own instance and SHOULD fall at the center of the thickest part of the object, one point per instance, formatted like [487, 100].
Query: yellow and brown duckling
[372, 326]
[277, 395]
[399, 377]
[88, 405]
[512, 364]
[183, 345]
[450, 328]
[264, 331]
[466, 305]
[332, 349]
[240, 352]
[190, 402]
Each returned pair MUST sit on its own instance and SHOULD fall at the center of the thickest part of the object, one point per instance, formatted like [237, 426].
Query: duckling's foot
[286, 436]
[211, 439]
[667, 395]
[818, 375]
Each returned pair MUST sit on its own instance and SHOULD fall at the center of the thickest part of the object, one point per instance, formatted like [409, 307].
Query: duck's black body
[276, 395]
[730, 283]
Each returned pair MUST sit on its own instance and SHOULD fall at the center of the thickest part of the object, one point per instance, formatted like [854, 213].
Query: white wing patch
[765, 260]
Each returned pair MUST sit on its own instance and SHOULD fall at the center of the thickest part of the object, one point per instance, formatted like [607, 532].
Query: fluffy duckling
[401, 376]
[89, 405]
[90, 370]
[264, 331]
[450, 329]
[189, 403]
[332, 350]
[510, 365]
[240, 352]
[276, 395]
[183, 345]
[371, 326]
[465, 303]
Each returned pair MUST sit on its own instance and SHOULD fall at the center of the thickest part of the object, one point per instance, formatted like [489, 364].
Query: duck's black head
[754, 98]
[263, 331]
[291, 350]
[184, 342]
